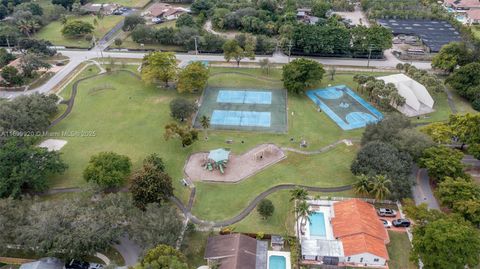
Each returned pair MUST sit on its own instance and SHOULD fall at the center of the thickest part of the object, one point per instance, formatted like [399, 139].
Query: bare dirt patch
[53, 144]
[158, 100]
[238, 167]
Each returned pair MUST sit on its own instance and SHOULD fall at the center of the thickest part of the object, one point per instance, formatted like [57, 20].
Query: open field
[399, 251]
[52, 32]
[128, 118]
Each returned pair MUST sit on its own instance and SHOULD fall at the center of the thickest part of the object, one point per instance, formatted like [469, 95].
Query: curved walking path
[322, 150]
[245, 212]
[70, 102]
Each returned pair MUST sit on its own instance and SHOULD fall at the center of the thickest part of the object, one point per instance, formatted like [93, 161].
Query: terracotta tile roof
[464, 3]
[355, 216]
[234, 251]
[473, 14]
[363, 243]
[356, 225]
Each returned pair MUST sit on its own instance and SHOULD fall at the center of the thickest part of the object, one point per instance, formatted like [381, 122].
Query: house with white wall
[351, 235]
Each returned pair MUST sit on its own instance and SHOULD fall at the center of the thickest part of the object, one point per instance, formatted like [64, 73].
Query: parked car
[386, 223]
[401, 223]
[76, 264]
[157, 20]
[95, 266]
[386, 212]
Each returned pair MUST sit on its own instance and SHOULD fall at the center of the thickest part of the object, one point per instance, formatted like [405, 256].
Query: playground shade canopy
[218, 155]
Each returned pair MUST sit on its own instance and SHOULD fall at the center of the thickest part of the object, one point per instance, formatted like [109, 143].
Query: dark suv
[401, 223]
[386, 212]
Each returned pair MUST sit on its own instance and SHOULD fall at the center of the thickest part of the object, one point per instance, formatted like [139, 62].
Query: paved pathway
[326, 148]
[129, 251]
[422, 191]
[251, 206]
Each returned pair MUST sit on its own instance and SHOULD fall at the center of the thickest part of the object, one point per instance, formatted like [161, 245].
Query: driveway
[129, 251]
[422, 191]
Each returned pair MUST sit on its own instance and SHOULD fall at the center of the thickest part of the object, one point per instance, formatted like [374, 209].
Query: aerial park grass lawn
[53, 31]
[128, 117]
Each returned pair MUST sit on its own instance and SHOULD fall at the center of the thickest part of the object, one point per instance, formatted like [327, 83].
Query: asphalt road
[79, 56]
[422, 192]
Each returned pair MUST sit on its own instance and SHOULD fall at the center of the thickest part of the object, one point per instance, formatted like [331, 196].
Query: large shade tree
[193, 78]
[151, 184]
[163, 257]
[159, 66]
[301, 74]
[442, 162]
[446, 243]
[26, 167]
[107, 169]
[379, 158]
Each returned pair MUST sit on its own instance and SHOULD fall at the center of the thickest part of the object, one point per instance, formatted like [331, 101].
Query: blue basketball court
[345, 107]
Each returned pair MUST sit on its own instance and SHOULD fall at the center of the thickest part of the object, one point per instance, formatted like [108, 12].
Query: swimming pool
[317, 224]
[277, 262]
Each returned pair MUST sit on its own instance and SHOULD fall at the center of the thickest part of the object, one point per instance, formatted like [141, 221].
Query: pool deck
[285, 254]
[327, 215]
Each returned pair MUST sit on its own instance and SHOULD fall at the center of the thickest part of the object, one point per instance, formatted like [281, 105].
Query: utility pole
[369, 55]
[8, 45]
[196, 46]
[289, 49]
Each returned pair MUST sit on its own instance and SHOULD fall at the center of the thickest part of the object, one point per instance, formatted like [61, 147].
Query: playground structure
[201, 167]
[217, 159]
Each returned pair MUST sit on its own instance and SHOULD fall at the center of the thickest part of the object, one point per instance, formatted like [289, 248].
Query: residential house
[236, 251]
[363, 236]
[461, 5]
[164, 11]
[473, 16]
[105, 9]
[344, 233]
[305, 15]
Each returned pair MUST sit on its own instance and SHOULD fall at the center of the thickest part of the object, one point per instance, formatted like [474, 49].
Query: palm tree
[362, 186]
[205, 122]
[25, 27]
[380, 187]
[303, 211]
[298, 194]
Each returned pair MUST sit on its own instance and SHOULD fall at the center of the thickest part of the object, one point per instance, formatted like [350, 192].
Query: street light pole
[369, 55]
[196, 46]
[289, 49]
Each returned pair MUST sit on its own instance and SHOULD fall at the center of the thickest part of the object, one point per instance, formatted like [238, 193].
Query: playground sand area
[238, 167]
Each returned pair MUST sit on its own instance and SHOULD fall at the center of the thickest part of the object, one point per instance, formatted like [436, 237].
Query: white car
[157, 20]
[386, 223]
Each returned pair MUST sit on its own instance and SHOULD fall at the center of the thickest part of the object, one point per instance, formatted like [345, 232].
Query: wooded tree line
[437, 235]
[333, 38]
[402, 9]
[384, 163]
[81, 226]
